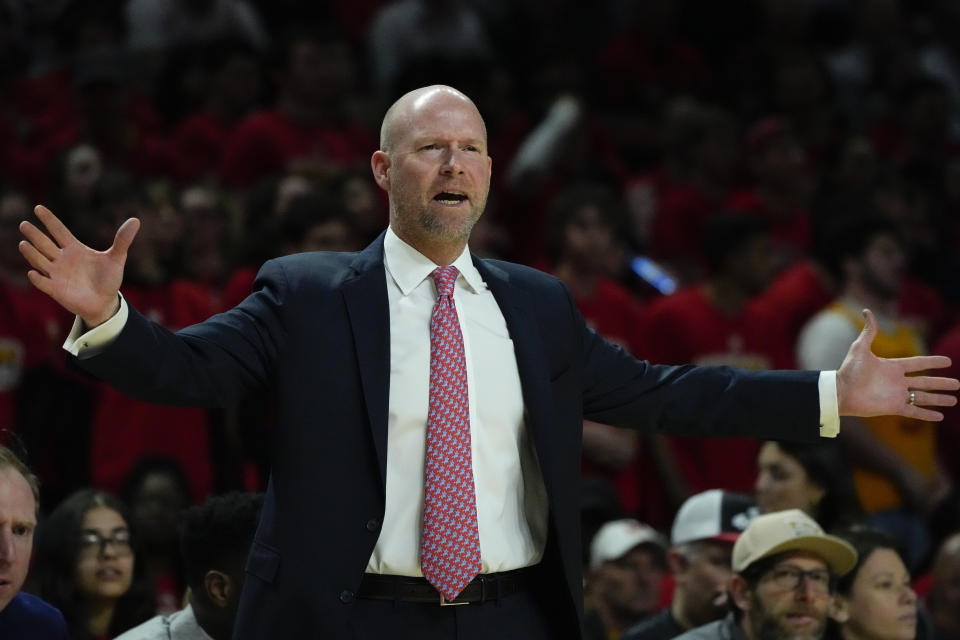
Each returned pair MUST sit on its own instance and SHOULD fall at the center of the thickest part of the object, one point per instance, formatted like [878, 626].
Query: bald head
[402, 114]
[433, 164]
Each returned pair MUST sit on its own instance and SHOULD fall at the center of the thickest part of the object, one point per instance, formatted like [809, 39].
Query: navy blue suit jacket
[316, 331]
[27, 617]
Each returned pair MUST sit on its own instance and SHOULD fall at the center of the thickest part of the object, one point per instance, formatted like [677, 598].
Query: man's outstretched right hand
[84, 281]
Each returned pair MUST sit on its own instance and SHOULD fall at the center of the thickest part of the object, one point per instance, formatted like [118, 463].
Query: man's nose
[7, 553]
[806, 590]
[452, 162]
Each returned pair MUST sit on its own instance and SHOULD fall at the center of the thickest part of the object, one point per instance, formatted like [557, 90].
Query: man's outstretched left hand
[871, 386]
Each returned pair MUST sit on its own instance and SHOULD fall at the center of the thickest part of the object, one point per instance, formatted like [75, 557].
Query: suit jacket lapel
[529, 349]
[365, 296]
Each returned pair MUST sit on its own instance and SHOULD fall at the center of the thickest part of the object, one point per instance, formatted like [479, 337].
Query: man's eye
[470, 147]
[21, 530]
[428, 147]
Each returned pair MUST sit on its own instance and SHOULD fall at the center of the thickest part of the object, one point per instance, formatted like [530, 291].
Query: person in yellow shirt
[897, 475]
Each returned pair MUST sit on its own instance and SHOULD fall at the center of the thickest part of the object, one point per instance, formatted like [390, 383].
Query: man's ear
[380, 164]
[740, 592]
[219, 587]
[840, 609]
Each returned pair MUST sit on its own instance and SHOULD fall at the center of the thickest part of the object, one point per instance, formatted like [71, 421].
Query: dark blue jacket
[316, 331]
[30, 618]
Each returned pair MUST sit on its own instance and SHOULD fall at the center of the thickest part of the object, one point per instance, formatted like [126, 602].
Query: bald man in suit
[347, 342]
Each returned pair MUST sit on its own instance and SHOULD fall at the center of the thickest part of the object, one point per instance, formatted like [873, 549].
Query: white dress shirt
[511, 497]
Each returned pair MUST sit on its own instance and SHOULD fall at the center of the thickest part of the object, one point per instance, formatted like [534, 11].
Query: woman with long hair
[812, 477]
[85, 565]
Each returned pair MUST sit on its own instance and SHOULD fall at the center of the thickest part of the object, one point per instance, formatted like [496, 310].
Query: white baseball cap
[791, 530]
[617, 537]
[712, 515]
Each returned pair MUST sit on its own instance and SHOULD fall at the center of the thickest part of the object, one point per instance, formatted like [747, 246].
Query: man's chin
[449, 228]
[801, 628]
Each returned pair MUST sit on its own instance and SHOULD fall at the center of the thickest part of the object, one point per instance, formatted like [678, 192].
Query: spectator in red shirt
[232, 74]
[312, 127]
[106, 111]
[182, 433]
[31, 369]
[782, 186]
[716, 323]
[918, 128]
[702, 150]
[583, 220]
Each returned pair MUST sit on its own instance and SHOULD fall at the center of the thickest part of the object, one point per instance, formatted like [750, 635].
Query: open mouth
[450, 198]
[800, 619]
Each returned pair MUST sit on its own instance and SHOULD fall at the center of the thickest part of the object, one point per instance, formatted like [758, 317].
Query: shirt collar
[408, 267]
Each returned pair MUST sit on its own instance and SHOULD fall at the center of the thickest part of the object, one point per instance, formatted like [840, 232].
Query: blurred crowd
[716, 183]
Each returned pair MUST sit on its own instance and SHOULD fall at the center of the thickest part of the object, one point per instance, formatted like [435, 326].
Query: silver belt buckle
[444, 603]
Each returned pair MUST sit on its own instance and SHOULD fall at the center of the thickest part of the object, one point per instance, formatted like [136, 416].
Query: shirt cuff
[88, 344]
[829, 407]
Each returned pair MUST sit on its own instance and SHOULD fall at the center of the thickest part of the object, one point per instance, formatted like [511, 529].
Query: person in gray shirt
[215, 542]
[785, 569]
[704, 531]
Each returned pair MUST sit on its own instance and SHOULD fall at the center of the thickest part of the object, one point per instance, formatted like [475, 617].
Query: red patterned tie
[450, 547]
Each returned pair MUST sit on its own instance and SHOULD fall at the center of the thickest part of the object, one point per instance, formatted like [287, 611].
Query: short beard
[767, 627]
[435, 227]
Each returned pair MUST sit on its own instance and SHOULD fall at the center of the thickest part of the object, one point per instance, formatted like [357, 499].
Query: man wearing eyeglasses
[785, 568]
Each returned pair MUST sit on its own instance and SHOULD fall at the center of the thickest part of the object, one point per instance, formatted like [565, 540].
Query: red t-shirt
[198, 143]
[142, 146]
[614, 314]
[685, 328]
[792, 234]
[31, 328]
[800, 291]
[923, 308]
[795, 296]
[239, 285]
[267, 143]
[677, 228]
[125, 429]
[675, 66]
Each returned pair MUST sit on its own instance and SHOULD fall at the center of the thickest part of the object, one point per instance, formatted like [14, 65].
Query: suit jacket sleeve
[210, 364]
[696, 400]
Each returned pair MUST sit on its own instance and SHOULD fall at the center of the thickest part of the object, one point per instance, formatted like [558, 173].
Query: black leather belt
[483, 588]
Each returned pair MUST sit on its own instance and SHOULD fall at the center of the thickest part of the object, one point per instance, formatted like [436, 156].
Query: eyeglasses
[94, 544]
[789, 578]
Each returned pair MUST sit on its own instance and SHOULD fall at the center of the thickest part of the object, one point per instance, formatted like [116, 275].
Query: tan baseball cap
[790, 530]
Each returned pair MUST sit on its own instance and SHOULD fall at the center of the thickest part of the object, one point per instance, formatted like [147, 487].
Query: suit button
[373, 524]
[346, 596]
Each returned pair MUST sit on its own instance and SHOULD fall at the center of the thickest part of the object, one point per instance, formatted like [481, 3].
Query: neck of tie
[450, 547]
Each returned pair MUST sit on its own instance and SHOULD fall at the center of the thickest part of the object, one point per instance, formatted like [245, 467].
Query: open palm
[868, 385]
[82, 280]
